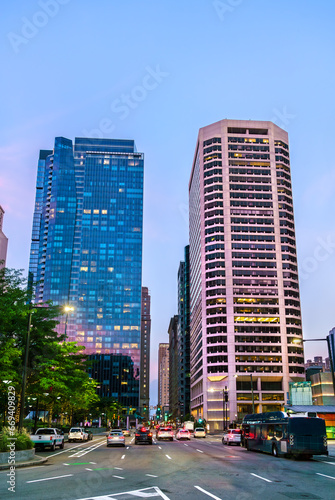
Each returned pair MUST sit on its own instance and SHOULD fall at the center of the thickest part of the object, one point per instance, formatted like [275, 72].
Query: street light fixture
[67, 310]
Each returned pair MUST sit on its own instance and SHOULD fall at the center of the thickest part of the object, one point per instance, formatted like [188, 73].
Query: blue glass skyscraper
[86, 249]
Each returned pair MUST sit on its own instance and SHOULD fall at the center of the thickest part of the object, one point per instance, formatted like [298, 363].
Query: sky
[156, 72]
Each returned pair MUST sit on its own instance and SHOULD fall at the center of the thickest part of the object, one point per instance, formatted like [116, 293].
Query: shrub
[23, 441]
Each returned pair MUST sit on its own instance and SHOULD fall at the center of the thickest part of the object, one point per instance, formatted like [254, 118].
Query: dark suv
[143, 435]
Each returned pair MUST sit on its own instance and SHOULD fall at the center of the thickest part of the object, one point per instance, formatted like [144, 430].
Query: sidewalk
[37, 460]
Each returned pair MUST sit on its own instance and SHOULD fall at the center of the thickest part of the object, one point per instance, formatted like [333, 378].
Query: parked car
[199, 432]
[126, 432]
[77, 434]
[116, 438]
[233, 436]
[143, 435]
[48, 438]
[183, 434]
[164, 433]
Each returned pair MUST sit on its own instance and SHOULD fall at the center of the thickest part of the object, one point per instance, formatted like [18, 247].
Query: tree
[56, 371]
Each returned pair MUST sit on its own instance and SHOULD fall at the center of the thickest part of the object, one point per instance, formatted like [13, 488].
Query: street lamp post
[225, 406]
[25, 369]
[252, 394]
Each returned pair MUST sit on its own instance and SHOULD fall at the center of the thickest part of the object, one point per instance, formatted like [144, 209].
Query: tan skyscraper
[244, 291]
[163, 376]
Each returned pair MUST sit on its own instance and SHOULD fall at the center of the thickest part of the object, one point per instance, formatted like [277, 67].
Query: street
[198, 469]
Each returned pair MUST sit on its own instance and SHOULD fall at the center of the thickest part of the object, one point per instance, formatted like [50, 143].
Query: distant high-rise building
[86, 252]
[316, 362]
[3, 241]
[173, 366]
[163, 376]
[183, 336]
[145, 352]
[244, 293]
[322, 389]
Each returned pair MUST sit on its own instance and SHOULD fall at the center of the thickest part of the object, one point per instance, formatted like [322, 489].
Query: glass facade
[86, 246]
[183, 340]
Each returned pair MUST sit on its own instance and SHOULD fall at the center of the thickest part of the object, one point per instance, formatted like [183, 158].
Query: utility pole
[25, 369]
[252, 393]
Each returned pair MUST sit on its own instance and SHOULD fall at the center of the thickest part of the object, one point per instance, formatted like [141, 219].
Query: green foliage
[22, 440]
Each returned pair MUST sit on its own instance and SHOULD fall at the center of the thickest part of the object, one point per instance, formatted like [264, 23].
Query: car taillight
[137, 435]
[149, 434]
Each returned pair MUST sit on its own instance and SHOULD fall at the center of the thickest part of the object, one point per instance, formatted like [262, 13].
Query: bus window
[271, 430]
[258, 431]
[264, 431]
[278, 431]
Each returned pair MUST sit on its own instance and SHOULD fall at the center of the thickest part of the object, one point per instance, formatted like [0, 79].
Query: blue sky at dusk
[156, 72]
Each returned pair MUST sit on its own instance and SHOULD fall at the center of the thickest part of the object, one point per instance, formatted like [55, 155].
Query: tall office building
[183, 336]
[86, 251]
[244, 294]
[173, 366]
[145, 352]
[163, 377]
[3, 241]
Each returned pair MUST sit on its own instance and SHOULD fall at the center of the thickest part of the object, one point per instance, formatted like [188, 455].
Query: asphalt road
[199, 469]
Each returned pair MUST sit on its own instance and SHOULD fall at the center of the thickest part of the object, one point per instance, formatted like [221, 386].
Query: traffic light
[200, 420]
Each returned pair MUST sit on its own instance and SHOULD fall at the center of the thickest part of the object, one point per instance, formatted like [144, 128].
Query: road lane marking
[48, 478]
[324, 475]
[81, 453]
[86, 468]
[68, 450]
[168, 457]
[331, 463]
[160, 447]
[199, 451]
[81, 463]
[119, 477]
[185, 444]
[151, 475]
[260, 477]
[152, 491]
[122, 458]
[118, 468]
[207, 493]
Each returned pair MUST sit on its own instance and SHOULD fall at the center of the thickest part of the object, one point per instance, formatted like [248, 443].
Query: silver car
[116, 438]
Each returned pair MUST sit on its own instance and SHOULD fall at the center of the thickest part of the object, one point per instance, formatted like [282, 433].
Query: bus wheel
[274, 451]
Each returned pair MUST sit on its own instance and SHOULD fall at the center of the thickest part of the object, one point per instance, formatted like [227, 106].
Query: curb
[20, 465]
